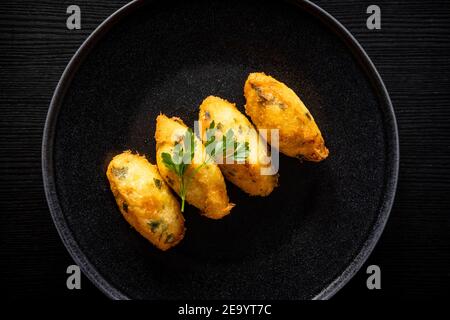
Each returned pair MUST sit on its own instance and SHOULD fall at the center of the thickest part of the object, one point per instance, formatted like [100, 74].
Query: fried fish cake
[145, 200]
[204, 183]
[247, 175]
[272, 105]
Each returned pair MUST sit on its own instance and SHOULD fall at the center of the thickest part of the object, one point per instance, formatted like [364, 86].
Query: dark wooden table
[412, 53]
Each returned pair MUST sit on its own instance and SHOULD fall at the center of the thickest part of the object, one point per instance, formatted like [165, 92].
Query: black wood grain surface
[412, 54]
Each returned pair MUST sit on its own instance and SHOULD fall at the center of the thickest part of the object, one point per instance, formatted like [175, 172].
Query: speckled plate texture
[304, 241]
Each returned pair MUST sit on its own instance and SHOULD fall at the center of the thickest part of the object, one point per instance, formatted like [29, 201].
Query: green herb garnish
[154, 224]
[169, 238]
[179, 161]
[125, 206]
[120, 173]
[183, 154]
[228, 146]
[157, 183]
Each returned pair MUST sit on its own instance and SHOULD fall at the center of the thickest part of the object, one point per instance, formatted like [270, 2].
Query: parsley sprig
[179, 161]
[227, 147]
[183, 154]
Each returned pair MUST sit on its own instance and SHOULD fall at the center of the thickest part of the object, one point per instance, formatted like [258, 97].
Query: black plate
[309, 237]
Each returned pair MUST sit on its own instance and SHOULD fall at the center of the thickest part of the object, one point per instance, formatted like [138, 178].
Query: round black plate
[305, 240]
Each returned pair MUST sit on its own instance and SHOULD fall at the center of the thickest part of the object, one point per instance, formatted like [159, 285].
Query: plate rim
[363, 60]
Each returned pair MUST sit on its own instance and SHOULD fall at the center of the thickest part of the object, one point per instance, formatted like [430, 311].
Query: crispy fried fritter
[272, 105]
[206, 190]
[145, 200]
[247, 175]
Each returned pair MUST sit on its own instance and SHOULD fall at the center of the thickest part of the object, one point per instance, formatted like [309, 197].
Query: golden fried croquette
[247, 176]
[206, 188]
[145, 200]
[272, 105]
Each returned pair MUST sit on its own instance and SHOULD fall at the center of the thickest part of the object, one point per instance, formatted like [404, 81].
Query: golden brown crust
[246, 176]
[272, 105]
[207, 190]
[145, 200]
